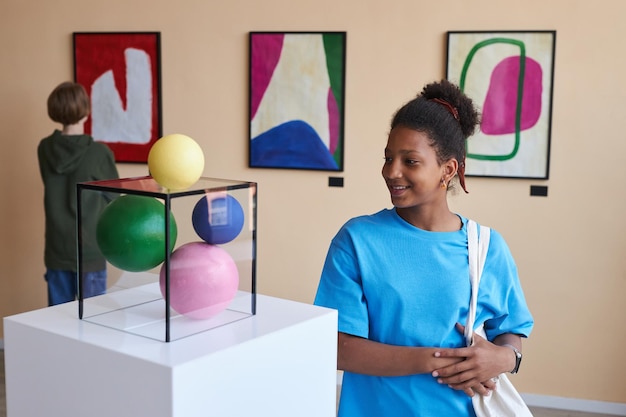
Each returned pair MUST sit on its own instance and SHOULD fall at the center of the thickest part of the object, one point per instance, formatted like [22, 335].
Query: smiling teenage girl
[400, 279]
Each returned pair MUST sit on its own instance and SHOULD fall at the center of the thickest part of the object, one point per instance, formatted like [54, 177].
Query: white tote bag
[504, 401]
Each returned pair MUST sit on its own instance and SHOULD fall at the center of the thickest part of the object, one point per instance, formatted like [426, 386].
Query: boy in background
[68, 157]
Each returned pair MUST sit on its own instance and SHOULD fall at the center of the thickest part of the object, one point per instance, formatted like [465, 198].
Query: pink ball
[203, 280]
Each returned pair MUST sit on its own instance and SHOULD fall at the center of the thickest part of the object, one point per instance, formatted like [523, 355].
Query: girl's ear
[450, 167]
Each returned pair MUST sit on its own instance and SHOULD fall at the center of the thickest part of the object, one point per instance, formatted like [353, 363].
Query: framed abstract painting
[121, 72]
[297, 100]
[510, 77]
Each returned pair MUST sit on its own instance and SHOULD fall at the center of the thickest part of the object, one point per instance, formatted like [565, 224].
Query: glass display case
[178, 262]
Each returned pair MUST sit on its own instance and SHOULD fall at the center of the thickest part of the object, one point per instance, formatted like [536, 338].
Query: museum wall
[569, 245]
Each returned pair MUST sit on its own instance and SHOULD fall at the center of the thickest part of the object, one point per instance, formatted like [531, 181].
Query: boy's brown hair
[68, 103]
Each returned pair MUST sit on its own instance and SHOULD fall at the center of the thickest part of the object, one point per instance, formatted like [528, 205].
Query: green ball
[131, 233]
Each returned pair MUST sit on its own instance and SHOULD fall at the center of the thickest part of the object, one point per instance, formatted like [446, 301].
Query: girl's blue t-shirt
[394, 283]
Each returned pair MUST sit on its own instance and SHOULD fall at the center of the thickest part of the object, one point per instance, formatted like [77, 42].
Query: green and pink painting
[509, 75]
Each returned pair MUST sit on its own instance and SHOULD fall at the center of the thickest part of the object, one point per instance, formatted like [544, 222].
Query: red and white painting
[121, 73]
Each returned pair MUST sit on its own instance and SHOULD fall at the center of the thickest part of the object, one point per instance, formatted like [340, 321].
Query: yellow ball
[176, 161]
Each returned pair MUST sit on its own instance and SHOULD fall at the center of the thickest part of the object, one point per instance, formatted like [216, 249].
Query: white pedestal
[280, 362]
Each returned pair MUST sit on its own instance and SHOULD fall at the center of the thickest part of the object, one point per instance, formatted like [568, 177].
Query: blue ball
[217, 218]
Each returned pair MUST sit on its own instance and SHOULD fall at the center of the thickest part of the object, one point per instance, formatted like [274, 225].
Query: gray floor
[538, 412]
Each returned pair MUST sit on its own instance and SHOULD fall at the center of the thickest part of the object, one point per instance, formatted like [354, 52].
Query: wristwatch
[518, 358]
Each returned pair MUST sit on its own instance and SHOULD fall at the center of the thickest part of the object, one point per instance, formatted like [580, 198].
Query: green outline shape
[520, 93]
[334, 47]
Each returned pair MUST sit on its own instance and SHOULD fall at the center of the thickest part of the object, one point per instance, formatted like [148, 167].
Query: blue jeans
[63, 285]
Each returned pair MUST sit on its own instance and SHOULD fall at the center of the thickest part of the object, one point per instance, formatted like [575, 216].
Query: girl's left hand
[482, 362]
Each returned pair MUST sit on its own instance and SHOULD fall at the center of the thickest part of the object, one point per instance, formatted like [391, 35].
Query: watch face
[518, 361]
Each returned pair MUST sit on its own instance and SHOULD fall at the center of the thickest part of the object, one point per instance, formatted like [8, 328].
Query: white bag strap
[477, 247]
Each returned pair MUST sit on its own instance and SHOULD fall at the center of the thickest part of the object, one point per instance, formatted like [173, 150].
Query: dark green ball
[131, 233]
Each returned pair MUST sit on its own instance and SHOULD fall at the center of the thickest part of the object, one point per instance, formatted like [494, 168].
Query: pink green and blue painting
[297, 84]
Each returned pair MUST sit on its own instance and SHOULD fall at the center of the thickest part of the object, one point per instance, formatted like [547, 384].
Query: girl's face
[412, 171]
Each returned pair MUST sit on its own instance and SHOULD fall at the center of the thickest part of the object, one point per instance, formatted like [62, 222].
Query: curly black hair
[446, 115]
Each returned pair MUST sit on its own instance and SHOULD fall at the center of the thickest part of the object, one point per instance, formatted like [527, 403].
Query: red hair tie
[461, 173]
[453, 111]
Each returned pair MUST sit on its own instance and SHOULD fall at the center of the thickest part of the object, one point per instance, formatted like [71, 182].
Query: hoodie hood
[63, 153]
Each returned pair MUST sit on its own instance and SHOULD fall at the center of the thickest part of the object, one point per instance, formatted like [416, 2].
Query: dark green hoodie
[65, 161]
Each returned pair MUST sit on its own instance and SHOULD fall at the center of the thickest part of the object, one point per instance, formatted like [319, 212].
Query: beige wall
[569, 246]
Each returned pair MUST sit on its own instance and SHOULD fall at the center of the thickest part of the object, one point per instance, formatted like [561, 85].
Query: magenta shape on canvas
[333, 121]
[499, 109]
[266, 53]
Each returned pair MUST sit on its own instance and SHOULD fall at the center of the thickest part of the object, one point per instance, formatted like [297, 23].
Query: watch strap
[518, 357]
